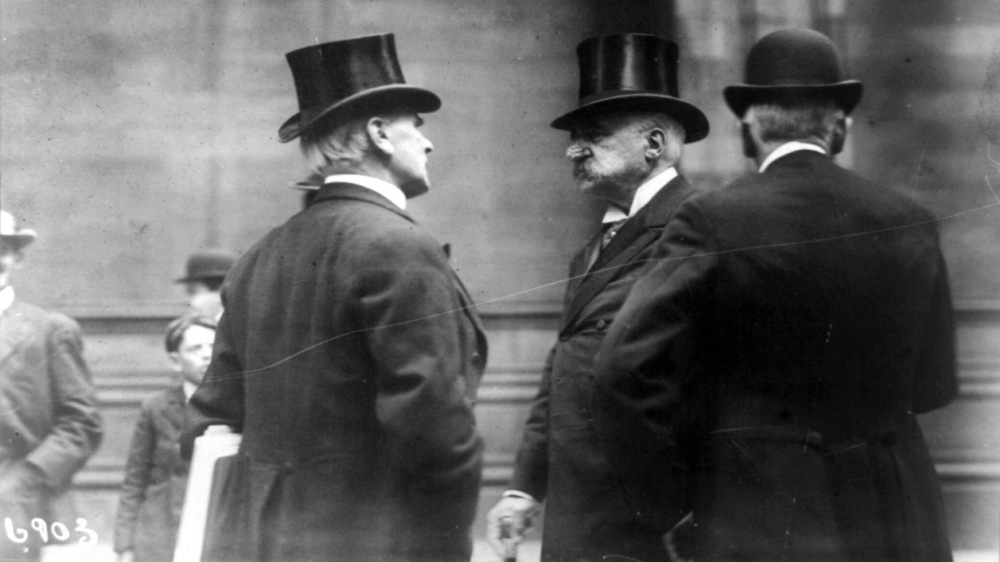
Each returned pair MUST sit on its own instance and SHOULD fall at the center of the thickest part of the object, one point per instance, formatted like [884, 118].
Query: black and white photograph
[500, 281]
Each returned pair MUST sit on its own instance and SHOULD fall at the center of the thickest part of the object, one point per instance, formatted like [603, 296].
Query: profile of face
[408, 153]
[608, 155]
[10, 259]
[194, 353]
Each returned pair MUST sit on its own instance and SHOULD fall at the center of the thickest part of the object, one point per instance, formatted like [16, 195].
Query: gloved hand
[520, 514]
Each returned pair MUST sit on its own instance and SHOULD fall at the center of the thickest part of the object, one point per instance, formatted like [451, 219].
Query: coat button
[601, 324]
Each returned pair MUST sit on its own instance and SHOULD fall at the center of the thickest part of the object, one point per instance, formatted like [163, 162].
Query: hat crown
[330, 72]
[207, 264]
[10, 231]
[8, 225]
[792, 57]
[629, 62]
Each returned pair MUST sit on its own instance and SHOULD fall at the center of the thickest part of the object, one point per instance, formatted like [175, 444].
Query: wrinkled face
[408, 163]
[194, 353]
[608, 154]
[10, 259]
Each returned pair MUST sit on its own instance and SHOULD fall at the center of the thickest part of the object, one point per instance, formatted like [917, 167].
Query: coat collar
[634, 236]
[341, 191]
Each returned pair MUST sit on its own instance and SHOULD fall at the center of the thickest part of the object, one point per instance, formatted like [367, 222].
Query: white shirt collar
[788, 148]
[383, 188]
[188, 387]
[6, 298]
[642, 197]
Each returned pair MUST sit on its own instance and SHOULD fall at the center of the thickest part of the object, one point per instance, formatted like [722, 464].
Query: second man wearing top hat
[626, 137]
[349, 355]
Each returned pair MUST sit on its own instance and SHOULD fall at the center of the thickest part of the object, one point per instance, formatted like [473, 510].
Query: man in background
[626, 138]
[49, 422]
[204, 274]
[349, 355]
[792, 326]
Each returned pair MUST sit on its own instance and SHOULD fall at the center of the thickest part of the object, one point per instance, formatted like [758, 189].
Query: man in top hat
[49, 422]
[787, 354]
[204, 274]
[626, 137]
[349, 355]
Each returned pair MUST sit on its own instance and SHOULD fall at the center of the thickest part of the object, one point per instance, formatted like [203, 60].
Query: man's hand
[520, 514]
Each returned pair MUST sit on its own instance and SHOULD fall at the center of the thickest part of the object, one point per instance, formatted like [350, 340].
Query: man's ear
[656, 141]
[378, 137]
[175, 360]
[839, 135]
[749, 146]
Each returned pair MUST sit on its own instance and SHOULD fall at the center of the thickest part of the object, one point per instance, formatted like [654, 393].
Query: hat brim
[372, 100]
[846, 94]
[21, 238]
[690, 117]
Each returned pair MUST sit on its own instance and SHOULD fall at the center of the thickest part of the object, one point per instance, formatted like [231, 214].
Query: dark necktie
[608, 231]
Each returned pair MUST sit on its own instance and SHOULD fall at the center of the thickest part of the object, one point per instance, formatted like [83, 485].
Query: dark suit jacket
[49, 413]
[559, 460]
[784, 361]
[349, 357]
[152, 495]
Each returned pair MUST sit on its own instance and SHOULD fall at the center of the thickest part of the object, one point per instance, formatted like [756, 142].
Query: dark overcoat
[784, 361]
[152, 495]
[349, 357]
[48, 414]
[559, 459]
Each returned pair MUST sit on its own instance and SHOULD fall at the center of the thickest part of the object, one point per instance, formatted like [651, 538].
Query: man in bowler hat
[796, 323]
[626, 137]
[349, 354]
[204, 274]
[49, 421]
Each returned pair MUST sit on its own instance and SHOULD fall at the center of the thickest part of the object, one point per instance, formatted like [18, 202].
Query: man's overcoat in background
[349, 357]
[560, 460]
[790, 353]
[48, 414]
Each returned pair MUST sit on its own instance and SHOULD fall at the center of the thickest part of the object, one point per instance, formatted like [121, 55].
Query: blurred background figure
[149, 508]
[205, 272]
[49, 422]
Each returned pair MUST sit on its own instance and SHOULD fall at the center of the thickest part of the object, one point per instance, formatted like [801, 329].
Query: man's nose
[428, 146]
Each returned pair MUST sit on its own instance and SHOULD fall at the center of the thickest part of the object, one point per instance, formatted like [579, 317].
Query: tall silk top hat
[19, 237]
[343, 79]
[791, 65]
[632, 72]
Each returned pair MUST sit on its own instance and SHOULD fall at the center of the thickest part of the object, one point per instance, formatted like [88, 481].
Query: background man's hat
[632, 72]
[208, 264]
[20, 237]
[349, 78]
[792, 65]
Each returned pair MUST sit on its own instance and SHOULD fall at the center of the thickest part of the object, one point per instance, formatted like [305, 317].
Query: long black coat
[349, 357]
[783, 362]
[560, 460]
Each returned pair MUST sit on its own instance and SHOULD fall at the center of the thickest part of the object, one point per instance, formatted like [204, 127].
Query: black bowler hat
[632, 72]
[347, 78]
[793, 65]
[208, 264]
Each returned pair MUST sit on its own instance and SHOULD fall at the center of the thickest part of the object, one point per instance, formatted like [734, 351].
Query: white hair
[336, 149]
[804, 121]
[644, 122]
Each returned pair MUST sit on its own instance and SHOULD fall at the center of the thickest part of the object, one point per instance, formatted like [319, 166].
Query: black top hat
[632, 72]
[208, 264]
[792, 65]
[347, 78]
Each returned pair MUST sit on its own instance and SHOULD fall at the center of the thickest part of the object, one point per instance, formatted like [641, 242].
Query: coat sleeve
[531, 467]
[138, 468]
[77, 425]
[644, 366]
[411, 312]
[935, 381]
